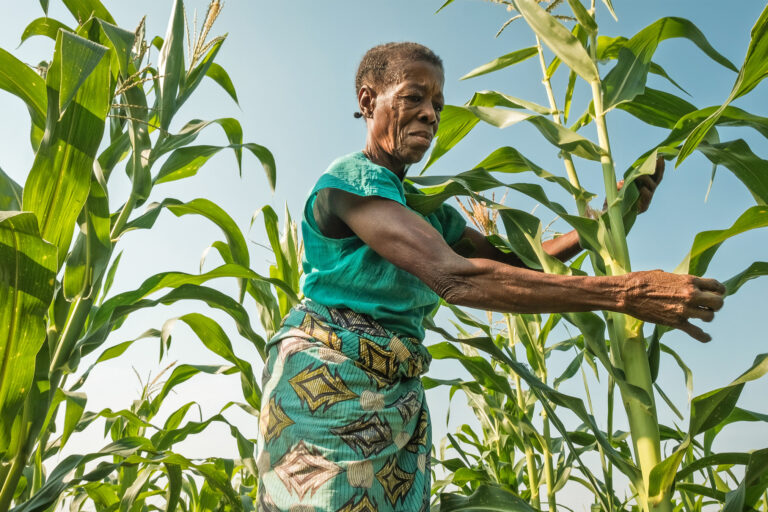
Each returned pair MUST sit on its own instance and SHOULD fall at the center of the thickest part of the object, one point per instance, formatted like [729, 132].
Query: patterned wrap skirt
[344, 425]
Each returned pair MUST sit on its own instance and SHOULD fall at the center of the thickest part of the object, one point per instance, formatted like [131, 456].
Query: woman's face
[402, 119]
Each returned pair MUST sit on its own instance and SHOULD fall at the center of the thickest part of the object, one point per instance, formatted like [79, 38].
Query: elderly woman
[344, 424]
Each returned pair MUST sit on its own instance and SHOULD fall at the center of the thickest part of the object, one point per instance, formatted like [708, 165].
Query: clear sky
[293, 65]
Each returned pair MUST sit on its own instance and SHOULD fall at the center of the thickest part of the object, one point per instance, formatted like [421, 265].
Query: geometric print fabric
[344, 425]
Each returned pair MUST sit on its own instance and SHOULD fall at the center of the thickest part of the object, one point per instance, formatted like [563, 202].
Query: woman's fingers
[710, 285]
[694, 332]
[709, 300]
[700, 312]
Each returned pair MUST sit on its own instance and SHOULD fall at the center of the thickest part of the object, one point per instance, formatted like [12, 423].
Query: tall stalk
[533, 475]
[626, 333]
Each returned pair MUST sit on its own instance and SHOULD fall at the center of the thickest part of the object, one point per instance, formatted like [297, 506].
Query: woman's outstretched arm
[408, 241]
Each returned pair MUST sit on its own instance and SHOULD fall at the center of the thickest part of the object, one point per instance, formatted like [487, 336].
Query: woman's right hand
[673, 299]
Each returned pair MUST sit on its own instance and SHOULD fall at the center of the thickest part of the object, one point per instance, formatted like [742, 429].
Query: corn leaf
[485, 498]
[558, 38]
[583, 17]
[709, 409]
[59, 181]
[627, 78]
[18, 79]
[756, 269]
[82, 10]
[10, 193]
[502, 62]
[219, 75]
[738, 158]
[706, 243]
[186, 161]
[28, 268]
[216, 340]
[455, 124]
[658, 108]
[47, 27]
[93, 247]
[753, 70]
[170, 65]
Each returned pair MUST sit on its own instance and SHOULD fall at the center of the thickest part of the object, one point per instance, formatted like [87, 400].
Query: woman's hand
[673, 299]
[646, 186]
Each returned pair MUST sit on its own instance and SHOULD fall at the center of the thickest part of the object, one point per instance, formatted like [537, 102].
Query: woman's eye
[438, 107]
[412, 98]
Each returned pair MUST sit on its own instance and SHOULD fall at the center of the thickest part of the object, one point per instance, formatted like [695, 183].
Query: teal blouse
[346, 273]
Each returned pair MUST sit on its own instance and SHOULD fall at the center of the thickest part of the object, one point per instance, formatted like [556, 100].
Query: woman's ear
[366, 101]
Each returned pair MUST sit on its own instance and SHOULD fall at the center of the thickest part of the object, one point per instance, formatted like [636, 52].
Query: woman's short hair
[380, 65]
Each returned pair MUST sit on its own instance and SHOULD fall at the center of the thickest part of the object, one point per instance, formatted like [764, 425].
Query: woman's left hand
[646, 185]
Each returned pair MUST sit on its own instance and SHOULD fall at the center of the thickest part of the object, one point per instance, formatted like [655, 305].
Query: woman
[344, 425]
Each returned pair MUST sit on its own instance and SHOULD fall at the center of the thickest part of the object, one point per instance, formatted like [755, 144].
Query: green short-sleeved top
[346, 273]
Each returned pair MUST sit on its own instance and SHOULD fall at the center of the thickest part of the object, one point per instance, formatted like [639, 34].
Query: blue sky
[293, 65]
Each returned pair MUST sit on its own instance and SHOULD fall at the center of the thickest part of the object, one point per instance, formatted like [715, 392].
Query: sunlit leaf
[558, 38]
[753, 70]
[28, 266]
[502, 62]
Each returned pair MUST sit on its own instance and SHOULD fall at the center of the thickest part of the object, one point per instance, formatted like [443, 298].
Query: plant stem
[18, 463]
[570, 168]
[533, 476]
[548, 471]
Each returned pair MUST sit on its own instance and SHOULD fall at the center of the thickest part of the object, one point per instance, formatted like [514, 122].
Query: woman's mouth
[424, 137]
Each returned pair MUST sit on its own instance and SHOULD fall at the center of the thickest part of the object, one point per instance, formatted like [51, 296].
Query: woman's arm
[566, 246]
[411, 243]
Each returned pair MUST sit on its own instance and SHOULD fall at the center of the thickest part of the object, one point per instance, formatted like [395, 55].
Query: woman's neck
[386, 160]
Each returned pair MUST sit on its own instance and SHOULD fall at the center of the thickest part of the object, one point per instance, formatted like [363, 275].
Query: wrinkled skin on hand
[673, 299]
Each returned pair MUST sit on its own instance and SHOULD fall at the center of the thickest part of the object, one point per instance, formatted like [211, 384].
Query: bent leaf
[706, 243]
[627, 78]
[558, 38]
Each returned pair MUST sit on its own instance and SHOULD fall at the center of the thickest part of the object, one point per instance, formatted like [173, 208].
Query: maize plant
[105, 103]
[691, 474]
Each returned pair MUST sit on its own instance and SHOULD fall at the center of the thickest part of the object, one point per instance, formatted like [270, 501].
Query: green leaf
[446, 4]
[753, 70]
[756, 269]
[658, 108]
[627, 79]
[28, 270]
[82, 10]
[570, 370]
[712, 460]
[195, 76]
[75, 408]
[706, 243]
[10, 193]
[221, 77]
[455, 124]
[485, 499]
[59, 181]
[93, 247]
[47, 27]
[44, 5]
[18, 79]
[583, 16]
[216, 340]
[186, 161]
[709, 409]
[79, 58]
[558, 38]
[502, 62]
[170, 65]
[738, 158]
